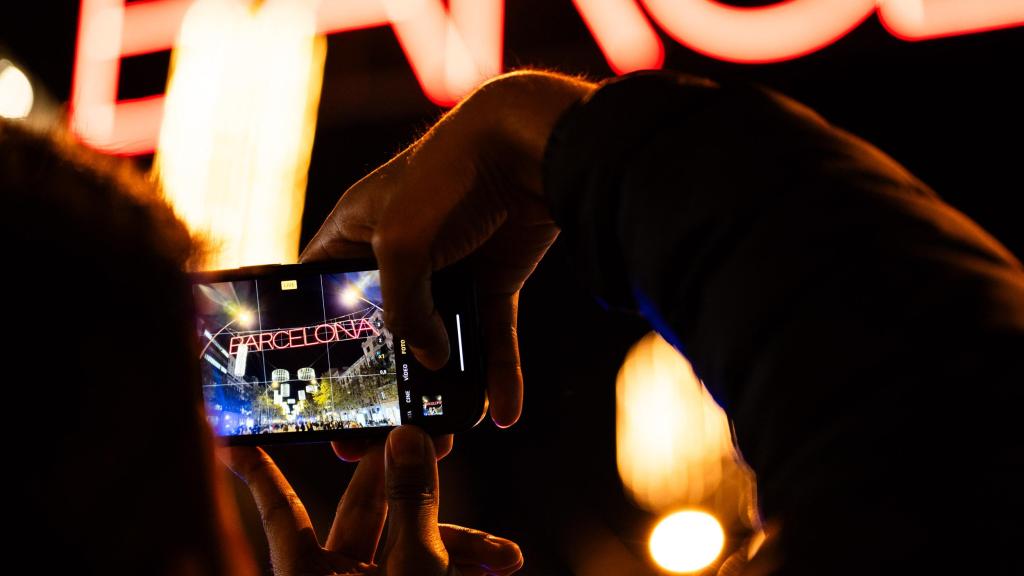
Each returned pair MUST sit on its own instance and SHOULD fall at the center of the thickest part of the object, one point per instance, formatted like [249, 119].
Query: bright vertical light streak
[626, 38]
[16, 95]
[458, 330]
[672, 439]
[924, 19]
[240, 358]
[238, 129]
[772, 33]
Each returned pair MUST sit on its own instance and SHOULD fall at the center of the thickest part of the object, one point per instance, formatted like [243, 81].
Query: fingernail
[406, 446]
[501, 424]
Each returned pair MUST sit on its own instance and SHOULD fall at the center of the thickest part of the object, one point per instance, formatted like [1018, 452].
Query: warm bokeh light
[238, 125]
[16, 94]
[672, 439]
[686, 541]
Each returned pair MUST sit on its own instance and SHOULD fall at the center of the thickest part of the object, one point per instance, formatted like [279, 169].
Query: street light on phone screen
[238, 314]
[351, 296]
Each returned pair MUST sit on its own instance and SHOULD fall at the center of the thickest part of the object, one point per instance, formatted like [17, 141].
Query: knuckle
[251, 468]
[380, 241]
[365, 508]
[501, 331]
[279, 509]
[412, 491]
[393, 244]
[409, 321]
[398, 322]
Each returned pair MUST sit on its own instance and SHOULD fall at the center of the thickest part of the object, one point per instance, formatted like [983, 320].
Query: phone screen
[297, 353]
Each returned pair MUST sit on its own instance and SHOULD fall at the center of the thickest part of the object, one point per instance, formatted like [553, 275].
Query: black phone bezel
[453, 289]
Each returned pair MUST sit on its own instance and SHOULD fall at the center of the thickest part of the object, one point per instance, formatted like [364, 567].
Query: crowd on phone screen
[307, 426]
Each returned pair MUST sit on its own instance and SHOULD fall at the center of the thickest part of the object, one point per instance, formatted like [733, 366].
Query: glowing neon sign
[451, 50]
[326, 333]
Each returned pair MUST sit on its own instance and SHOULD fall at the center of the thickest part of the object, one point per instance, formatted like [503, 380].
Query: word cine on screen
[338, 331]
[452, 49]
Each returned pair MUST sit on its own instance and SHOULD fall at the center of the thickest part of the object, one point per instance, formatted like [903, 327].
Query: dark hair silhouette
[103, 412]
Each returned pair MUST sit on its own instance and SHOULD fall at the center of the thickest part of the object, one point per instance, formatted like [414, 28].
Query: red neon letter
[266, 338]
[331, 338]
[450, 51]
[626, 38]
[342, 330]
[782, 31]
[253, 343]
[922, 19]
[453, 50]
[108, 31]
[449, 56]
[366, 327]
[274, 342]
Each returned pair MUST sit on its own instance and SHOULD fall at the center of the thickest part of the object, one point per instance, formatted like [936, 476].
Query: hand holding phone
[416, 544]
[470, 187]
[301, 353]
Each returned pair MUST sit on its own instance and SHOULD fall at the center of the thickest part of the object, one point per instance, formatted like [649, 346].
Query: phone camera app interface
[296, 354]
[433, 405]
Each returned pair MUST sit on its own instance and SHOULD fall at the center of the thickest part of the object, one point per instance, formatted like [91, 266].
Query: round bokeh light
[16, 95]
[686, 541]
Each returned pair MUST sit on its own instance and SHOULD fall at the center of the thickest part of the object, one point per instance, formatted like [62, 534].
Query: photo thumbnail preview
[296, 354]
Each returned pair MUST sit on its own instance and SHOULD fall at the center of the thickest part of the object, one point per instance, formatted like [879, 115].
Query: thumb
[414, 542]
[405, 283]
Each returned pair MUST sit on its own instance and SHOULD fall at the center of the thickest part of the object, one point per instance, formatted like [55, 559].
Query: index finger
[348, 230]
[289, 532]
[326, 247]
[360, 516]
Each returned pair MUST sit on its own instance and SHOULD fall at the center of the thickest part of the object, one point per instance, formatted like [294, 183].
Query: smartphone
[301, 353]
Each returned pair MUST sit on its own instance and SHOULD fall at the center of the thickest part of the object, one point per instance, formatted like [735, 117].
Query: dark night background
[951, 110]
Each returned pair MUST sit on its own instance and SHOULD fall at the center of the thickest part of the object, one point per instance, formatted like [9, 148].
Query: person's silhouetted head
[102, 405]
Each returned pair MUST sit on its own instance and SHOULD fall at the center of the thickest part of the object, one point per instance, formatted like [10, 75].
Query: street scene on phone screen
[296, 354]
